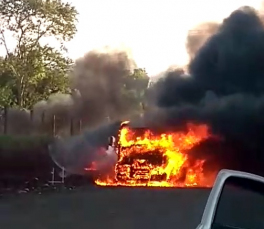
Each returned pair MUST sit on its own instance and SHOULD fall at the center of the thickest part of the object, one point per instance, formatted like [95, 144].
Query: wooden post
[63, 175]
[53, 176]
[43, 117]
[31, 115]
[71, 127]
[80, 126]
[54, 126]
[5, 120]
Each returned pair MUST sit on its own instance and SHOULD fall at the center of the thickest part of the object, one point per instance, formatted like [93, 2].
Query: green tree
[135, 87]
[6, 95]
[35, 68]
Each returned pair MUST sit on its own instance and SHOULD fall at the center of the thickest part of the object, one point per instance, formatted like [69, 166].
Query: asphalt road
[112, 208]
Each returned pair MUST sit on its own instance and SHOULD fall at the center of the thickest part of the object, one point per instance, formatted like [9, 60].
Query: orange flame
[158, 160]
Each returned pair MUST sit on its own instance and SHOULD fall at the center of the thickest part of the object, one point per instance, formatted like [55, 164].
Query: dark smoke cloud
[225, 89]
[96, 81]
[99, 77]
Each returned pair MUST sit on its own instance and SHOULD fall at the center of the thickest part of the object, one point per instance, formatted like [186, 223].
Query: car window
[241, 205]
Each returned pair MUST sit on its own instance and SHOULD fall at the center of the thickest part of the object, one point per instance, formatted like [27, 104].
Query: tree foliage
[34, 68]
[135, 87]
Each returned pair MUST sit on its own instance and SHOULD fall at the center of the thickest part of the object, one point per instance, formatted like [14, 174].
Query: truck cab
[135, 164]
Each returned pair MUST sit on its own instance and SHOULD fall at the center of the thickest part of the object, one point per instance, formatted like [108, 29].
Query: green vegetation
[37, 66]
[135, 87]
[9, 142]
[34, 69]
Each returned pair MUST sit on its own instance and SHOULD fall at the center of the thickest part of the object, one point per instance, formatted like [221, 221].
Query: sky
[154, 31]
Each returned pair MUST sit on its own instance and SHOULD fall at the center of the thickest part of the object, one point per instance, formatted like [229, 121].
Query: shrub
[9, 142]
[24, 155]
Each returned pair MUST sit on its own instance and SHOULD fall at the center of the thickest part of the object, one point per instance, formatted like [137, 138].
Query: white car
[236, 201]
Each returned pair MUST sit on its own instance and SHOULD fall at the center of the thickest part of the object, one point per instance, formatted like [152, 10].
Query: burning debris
[148, 158]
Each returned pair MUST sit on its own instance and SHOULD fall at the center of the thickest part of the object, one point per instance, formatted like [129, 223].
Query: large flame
[158, 160]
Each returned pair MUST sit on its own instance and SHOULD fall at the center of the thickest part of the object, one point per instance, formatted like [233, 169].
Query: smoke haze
[96, 81]
[224, 88]
[76, 154]
[198, 36]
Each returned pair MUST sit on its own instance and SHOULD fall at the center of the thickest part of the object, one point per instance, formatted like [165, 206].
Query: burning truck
[135, 162]
[145, 158]
[137, 156]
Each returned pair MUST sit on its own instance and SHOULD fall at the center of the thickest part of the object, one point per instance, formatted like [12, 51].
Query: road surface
[100, 208]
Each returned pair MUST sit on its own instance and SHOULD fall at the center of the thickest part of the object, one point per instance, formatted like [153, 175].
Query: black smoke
[224, 88]
[96, 81]
[197, 37]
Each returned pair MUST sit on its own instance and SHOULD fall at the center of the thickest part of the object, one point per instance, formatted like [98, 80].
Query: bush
[24, 156]
[25, 160]
[9, 142]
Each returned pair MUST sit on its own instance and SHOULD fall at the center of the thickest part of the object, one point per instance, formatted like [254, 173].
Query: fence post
[80, 126]
[71, 127]
[54, 126]
[43, 117]
[31, 115]
[5, 119]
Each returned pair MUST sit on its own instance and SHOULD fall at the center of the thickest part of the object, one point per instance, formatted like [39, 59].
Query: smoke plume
[99, 78]
[224, 89]
[76, 154]
[198, 36]
[96, 81]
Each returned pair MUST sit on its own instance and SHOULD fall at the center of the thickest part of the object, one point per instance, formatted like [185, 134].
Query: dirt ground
[96, 207]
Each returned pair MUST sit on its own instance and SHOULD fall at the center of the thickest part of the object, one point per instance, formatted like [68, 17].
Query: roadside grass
[10, 142]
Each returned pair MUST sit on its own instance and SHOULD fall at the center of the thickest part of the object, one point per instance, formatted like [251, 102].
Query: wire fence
[18, 122]
[51, 122]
